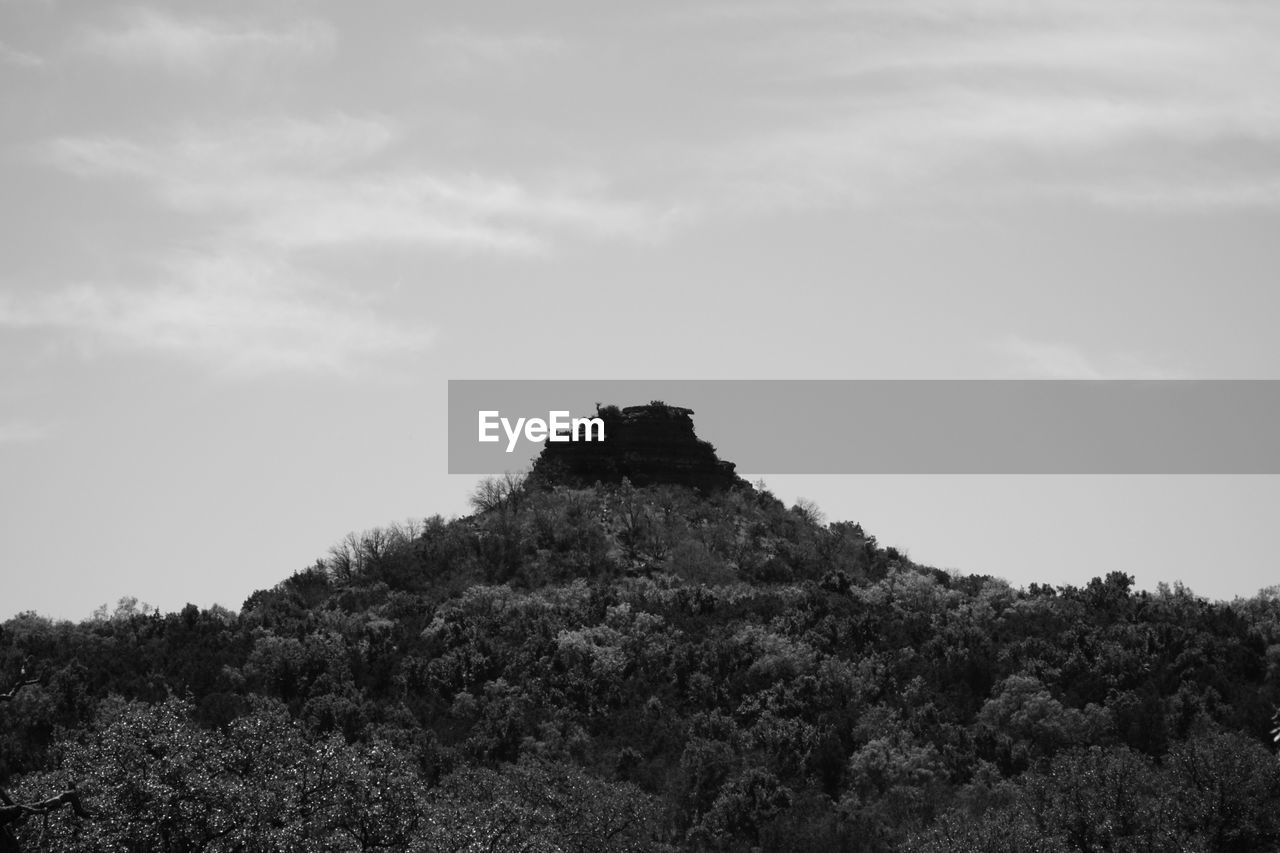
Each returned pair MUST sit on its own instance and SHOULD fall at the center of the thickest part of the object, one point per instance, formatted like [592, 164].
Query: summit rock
[647, 445]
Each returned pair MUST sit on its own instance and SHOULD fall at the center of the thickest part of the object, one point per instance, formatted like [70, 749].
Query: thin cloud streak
[468, 51]
[280, 142]
[201, 45]
[462, 212]
[828, 14]
[10, 55]
[20, 432]
[294, 184]
[1033, 359]
[235, 315]
[1191, 194]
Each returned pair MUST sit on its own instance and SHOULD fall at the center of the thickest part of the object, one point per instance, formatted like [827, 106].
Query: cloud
[1189, 193]
[1033, 359]
[868, 101]
[201, 45]
[262, 200]
[415, 207]
[960, 143]
[231, 150]
[20, 432]
[10, 55]
[462, 50]
[235, 315]
[291, 184]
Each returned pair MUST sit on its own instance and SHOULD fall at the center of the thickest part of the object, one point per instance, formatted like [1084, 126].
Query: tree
[539, 806]
[13, 814]
[1230, 785]
[501, 492]
[158, 781]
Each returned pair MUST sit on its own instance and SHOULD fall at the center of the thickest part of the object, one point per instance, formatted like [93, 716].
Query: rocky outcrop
[647, 445]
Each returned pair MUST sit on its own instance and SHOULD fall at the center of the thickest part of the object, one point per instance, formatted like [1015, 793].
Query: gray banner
[911, 427]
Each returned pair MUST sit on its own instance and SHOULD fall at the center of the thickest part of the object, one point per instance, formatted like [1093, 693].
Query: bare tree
[809, 511]
[502, 492]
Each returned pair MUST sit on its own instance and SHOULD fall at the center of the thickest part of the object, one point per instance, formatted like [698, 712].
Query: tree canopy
[645, 669]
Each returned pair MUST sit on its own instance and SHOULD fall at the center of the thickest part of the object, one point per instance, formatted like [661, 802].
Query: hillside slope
[649, 668]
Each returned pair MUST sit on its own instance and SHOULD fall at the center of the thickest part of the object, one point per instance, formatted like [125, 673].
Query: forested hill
[615, 668]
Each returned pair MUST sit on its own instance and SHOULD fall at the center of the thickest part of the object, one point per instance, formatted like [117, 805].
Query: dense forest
[645, 668]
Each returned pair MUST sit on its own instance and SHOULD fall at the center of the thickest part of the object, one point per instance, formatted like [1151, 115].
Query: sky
[247, 245]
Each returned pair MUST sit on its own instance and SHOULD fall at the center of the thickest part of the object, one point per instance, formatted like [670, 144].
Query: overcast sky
[245, 245]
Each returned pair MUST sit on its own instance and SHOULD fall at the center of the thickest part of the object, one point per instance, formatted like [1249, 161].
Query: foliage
[625, 668]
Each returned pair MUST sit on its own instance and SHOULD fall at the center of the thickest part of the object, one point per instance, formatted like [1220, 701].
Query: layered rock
[647, 445]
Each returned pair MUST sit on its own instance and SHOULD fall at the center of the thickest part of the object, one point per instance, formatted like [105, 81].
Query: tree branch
[18, 685]
[12, 812]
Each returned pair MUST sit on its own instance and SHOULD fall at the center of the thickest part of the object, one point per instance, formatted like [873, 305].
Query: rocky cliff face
[648, 445]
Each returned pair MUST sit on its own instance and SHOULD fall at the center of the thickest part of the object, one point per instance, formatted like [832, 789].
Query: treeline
[648, 669]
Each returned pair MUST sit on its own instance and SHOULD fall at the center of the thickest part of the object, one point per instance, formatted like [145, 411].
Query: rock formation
[647, 445]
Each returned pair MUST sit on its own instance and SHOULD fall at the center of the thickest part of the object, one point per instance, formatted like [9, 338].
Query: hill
[612, 666]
